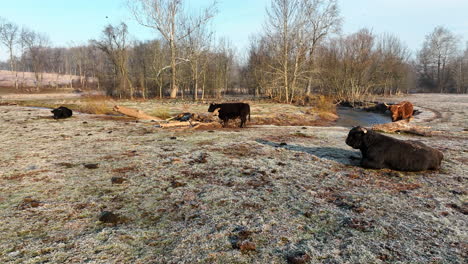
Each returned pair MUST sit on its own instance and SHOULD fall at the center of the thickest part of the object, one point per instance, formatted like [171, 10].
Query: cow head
[213, 107]
[394, 109]
[58, 113]
[357, 137]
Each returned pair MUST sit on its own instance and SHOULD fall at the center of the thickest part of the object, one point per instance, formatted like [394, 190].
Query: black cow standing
[380, 151]
[231, 111]
[62, 112]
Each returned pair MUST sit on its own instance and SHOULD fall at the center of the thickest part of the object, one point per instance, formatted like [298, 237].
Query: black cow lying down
[380, 151]
[231, 111]
[62, 112]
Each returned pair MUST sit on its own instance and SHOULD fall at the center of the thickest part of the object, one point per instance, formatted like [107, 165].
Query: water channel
[350, 117]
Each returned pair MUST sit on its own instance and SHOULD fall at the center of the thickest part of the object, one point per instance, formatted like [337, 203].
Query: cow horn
[385, 104]
[364, 130]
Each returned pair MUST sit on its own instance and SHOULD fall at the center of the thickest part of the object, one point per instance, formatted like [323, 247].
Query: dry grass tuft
[20, 176]
[162, 113]
[95, 105]
[324, 104]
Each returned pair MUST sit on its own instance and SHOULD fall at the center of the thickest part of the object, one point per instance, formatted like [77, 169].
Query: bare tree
[460, 71]
[294, 29]
[393, 56]
[198, 44]
[9, 37]
[35, 44]
[438, 49]
[284, 20]
[349, 66]
[114, 43]
[323, 19]
[168, 18]
[80, 60]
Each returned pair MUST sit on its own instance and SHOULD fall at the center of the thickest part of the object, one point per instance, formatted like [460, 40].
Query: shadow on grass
[346, 157]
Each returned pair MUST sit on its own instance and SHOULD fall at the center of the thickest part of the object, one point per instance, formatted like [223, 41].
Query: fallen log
[205, 126]
[403, 126]
[178, 124]
[199, 120]
[134, 113]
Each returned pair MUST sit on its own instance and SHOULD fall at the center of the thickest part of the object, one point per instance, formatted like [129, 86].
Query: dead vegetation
[99, 105]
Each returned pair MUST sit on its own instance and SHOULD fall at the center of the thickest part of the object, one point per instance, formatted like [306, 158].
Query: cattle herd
[378, 151]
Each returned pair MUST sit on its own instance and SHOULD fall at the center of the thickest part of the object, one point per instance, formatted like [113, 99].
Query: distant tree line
[299, 52]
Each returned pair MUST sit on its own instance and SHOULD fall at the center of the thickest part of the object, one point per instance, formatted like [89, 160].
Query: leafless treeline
[299, 52]
[442, 67]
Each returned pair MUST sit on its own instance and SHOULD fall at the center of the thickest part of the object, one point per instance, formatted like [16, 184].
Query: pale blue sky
[77, 21]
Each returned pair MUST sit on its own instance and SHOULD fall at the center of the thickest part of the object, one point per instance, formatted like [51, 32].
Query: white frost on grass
[305, 196]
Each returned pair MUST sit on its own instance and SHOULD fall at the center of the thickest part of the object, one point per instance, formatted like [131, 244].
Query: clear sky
[68, 22]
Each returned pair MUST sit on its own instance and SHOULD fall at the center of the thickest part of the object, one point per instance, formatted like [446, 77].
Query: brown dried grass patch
[162, 112]
[239, 150]
[20, 176]
[95, 105]
[124, 170]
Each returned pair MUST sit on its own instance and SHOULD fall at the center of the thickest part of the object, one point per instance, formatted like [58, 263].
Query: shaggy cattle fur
[380, 151]
[400, 111]
[231, 111]
[62, 112]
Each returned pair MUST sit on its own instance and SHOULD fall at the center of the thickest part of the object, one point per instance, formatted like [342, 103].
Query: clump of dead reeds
[324, 104]
[161, 112]
[95, 105]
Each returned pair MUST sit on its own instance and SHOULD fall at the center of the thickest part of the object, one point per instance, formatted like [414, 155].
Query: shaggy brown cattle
[380, 151]
[402, 110]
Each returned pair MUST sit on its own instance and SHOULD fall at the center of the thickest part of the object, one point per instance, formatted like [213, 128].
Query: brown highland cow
[400, 111]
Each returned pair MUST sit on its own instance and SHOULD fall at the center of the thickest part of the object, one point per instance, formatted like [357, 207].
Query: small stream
[350, 117]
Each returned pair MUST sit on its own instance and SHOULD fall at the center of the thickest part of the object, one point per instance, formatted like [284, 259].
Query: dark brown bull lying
[379, 151]
[400, 111]
[231, 111]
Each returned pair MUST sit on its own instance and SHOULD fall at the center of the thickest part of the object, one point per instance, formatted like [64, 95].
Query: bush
[324, 104]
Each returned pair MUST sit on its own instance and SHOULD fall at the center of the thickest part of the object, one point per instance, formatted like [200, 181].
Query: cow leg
[371, 164]
[242, 124]
[225, 122]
